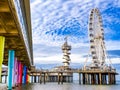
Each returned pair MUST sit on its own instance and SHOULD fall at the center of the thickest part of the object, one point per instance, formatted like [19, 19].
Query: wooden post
[32, 78]
[100, 79]
[65, 77]
[6, 78]
[1, 79]
[111, 78]
[97, 78]
[44, 78]
[72, 78]
[79, 78]
[109, 81]
[58, 78]
[88, 78]
[114, 79]
[105, 79]
[35, 78]
[49, 78]
[40, 77]
[83, 78]
[61, 78]
[92, 77]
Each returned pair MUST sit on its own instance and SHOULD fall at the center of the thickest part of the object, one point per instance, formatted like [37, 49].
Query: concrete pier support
[2, 42]
[10, 68]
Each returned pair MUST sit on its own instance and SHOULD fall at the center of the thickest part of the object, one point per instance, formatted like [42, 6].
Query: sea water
[65, 86]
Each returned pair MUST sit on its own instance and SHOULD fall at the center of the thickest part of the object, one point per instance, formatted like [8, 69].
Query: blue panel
[10, 68]
[24, 74]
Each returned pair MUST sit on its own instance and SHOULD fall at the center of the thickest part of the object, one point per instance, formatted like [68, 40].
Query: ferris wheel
[96, 35]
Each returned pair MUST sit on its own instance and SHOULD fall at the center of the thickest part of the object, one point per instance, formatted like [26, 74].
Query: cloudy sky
[53, 20]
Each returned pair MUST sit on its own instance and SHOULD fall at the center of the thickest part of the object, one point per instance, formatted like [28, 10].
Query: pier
[15, 41]
[16, 51]
[85, 76]
[90, 77]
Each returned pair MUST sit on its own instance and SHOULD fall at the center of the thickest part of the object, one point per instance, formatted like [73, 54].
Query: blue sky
[53, 20]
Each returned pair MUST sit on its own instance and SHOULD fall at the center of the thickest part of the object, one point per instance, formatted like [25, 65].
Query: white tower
[66, 48]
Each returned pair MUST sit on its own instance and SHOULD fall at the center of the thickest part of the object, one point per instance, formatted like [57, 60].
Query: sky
[53, 20]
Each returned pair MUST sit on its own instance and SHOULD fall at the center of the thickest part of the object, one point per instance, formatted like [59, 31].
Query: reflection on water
[66, 86]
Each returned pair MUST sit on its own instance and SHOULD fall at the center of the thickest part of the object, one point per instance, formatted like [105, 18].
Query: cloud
[112, 45]
[53, 20]
[117, 3]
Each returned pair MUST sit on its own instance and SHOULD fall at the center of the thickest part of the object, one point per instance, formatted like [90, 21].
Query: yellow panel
[2, 41]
